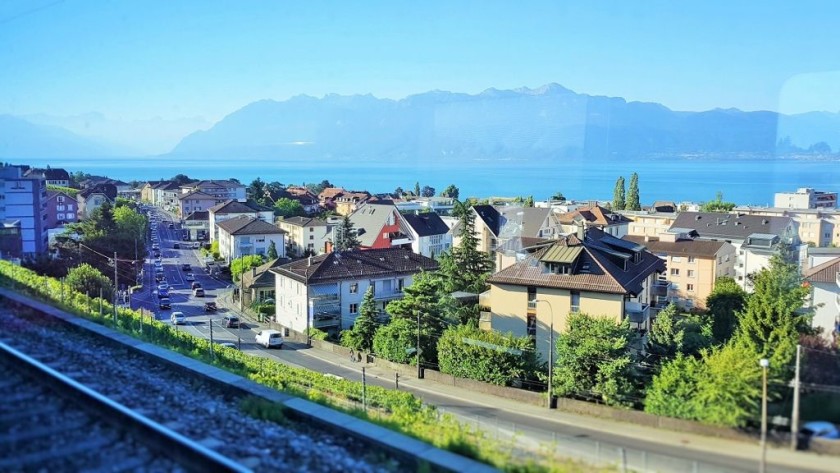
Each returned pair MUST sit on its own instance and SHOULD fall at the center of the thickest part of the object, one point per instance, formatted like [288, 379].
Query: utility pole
[364, 389]
[211, 336]
[550, 358]
[419, 370]
[116, 286]
[764, 363]
[794, 418]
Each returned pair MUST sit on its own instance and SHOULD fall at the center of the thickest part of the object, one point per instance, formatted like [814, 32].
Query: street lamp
[550, 350]
[764, 363]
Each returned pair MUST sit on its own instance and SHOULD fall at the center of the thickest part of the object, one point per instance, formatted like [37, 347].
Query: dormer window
[559, 268]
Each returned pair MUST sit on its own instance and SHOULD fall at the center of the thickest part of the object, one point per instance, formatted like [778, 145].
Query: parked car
[178, 318]
[817, 429]
[164, 303]
[186, 267]
[195, 285]
[270, 338]
[210, 307]
[198, 292]
[231, 321]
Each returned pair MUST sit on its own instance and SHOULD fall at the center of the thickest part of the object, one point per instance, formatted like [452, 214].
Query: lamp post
[550, 350]
[764, 363]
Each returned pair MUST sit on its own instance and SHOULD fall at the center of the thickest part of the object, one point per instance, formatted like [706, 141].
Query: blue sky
[133, 60]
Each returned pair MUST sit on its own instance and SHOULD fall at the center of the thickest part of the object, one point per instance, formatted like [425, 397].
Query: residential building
[594, 216]
[530, 222]
[309, 201]
[61, 209]
[327, 197]
[756, 238]
[428, 233]
[258, 283]
[517, 249]
[222, 190]
[147, 191]
[824, 281]
[197, 225]
[196, 201]
[818, 256]
[378, 224]
[53, 176]
[488, 223]
[246, 235]
[326, 291]
[234, 209]
[693, 267]
[23, 200]
[169, 194]
[11, 241]
[91, 198]
[590, 272]
[306, 234]
[348, 202]
[805, 198]
[648, 222]
[442, 206]
[820, 227]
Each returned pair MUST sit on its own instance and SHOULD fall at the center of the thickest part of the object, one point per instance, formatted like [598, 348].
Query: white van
[270, 338]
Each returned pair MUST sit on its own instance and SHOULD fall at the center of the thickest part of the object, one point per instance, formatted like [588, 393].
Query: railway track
[92, 405]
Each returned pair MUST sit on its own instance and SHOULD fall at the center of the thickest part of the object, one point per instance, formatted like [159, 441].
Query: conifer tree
[465, 267]
[345, 235]
[618, 194]
[272, 250]
[360, 337]
[633, 202]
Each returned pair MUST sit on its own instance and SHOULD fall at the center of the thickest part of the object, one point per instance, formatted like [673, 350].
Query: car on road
[163, 286]
[190, 277]
[164, 303]
[196, 245]
[178, 318]
[198, 292]
[159, 277]
[210, 307]
[270, 338]
[186, 267]
[231, 321]
[157, 254]
[195, 285]
[171, 226]
[228, 345]
[155, 247]
[162, 293]
[176, 246]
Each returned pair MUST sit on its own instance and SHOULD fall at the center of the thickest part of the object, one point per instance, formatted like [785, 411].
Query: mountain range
[543, 123]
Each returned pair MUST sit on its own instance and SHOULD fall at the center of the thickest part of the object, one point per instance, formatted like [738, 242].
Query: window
[354, 288]
[532, 326]
[675, 271]
[354, 308]
[677, 259]
[400, 284]
[691, 259]
[60, 199]
[691, 273]
[532, 297]
[689, 287]
[311, 237]
[61, 217]
[575, 299]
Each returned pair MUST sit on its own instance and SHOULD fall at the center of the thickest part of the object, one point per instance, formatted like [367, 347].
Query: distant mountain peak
[552, 88]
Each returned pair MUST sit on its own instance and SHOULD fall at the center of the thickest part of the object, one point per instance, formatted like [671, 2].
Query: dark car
[186, 267]
[231, 321]
[210, 307]
[195, 285]
[171, 225]
[177, 246]
[164, 303]
[157, 254]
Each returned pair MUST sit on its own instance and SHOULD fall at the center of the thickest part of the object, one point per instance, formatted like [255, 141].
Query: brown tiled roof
[594, 214]
[603, 275]
[249, 226]
[330, 193]
[826, 272]
[698, 248]
[356, 264]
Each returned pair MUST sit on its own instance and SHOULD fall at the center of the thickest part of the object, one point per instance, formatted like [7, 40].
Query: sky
[133, 59]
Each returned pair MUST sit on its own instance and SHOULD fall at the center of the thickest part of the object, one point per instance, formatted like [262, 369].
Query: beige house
[818, 226]
[648, 223]
[594, 216]
[693, 267]
[306, 234]
[196, 201]
[593, 273]
[488, 222]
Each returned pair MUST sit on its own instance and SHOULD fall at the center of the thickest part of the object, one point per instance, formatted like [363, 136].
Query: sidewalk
[704, 446]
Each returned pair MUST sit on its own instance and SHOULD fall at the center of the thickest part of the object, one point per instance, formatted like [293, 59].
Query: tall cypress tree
[465, 266]
[345, 235]
[633, 194]
[618, 194]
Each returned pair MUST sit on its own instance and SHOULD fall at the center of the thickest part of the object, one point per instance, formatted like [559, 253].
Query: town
[664, 308]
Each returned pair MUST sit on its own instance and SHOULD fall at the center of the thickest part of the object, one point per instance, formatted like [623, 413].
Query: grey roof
[236, 207]
[306, 221]
[369, 219]
[249, 226]
[260, 276]
[426, 224]
[731, 226]
[108, 190]
[196, 195]
[356, 264]
[490, 216]
[699, 248]
[599, 252]
[50, 174]
[523, 221]
[199, 215]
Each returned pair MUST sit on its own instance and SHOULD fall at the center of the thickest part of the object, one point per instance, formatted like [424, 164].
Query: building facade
[244, 236]
[23, 205]
[306, 235]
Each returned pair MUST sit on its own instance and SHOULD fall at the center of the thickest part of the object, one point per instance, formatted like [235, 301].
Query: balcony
[324, 320]
[636, 312]
[532, 305]
[660, 289]
[387, 295]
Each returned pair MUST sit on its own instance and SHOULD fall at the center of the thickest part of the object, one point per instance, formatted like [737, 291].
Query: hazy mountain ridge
[22, 139]
[549, 121]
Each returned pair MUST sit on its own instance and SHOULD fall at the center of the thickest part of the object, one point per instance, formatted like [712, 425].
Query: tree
[399, 191]
[593, 360]
[450, 191]
[558, 196]
[619, 195]
[633, 202]
[465, 267]
[345, 235]
[272, 251]
[529, 202]
[717, 205]
[468, 352]
[240, 265]
[319, 187]
[85, 279]
[130, 224]
[772, 319]
[181, 179]
[395, 341]
[361, 335]
[285, 207]
[427, 191]
[274, 190]
[723, 304]
[417, 188]
[256, 191]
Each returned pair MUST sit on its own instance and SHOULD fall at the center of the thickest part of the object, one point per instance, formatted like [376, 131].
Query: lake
[744, 181]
